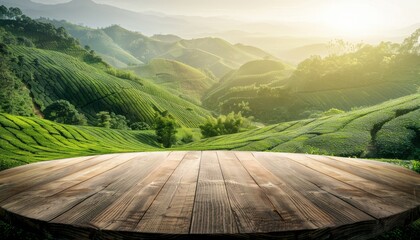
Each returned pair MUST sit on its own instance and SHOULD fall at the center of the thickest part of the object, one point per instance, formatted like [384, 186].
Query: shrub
[62, 111]
[103, 119]
[232, 123]
[140, 126]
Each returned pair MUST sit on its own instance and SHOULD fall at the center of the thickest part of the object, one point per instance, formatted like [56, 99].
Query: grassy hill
[368, 76]
[181, 79]
[388, 130]
[92, 90]
[26, 140]
[240, 85]
[53, 66]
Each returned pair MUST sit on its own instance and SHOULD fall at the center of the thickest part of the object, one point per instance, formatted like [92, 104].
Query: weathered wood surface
[211, 194]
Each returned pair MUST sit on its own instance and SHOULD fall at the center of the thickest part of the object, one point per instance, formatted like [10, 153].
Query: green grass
[25, 140]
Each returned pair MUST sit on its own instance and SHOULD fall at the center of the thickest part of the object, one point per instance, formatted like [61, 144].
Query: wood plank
[131, 174]
[375, 199]
[171, 211]
[286, 201]
[338, 211]
[126, 212]
[212, 211]
[21, 171]
[379, 165]
[376, 173]
[48, 173]
[252, 209]
[47, 201]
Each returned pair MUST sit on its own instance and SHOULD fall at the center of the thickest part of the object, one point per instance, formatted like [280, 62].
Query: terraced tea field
[60, 76]
[389, 130]
[26, 140]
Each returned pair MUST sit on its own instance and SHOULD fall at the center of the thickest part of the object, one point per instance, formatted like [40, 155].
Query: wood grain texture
[211, 194]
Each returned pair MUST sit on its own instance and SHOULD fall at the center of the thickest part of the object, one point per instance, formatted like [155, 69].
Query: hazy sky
[353, 16]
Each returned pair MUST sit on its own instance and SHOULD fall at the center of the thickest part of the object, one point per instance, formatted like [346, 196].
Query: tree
[232, 123]
[166, 130]
[103, 119]
[118, 122]
[140, 126]
[14, 12]
[62, 111]
[4, 12]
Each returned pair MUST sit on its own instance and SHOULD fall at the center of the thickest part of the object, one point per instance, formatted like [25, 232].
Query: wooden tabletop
[211, 194]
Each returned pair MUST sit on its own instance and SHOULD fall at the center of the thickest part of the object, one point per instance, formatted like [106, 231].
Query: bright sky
[347, 17]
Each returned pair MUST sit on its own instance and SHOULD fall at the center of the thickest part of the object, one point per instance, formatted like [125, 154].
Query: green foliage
[103, 119]
[63, 111]
[166, 130]
[121, 74]
[14, 95]
[140, 126]
[187, 135]
[119, 122]
[229, 124]
[416, 165]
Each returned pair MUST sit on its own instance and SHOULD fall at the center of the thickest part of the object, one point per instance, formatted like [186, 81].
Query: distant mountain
[121, 48]
[100, 42]
[89, 13]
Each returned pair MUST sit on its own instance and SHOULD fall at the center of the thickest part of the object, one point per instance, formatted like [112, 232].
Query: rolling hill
[368, 76]
[213, 54]
[182, 80]
[121, 47]
[100, 42]
[387, 130]
[242, 83]
[69, 72]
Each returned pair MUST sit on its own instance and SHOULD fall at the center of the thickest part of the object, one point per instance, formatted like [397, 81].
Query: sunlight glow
[352, 19]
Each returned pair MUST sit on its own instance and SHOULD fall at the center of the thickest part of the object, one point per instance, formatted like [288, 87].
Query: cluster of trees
[62, 111]
[14, 94]
[10, 13]
[231, 123]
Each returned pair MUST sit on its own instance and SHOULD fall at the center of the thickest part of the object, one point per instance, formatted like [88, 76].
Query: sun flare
[352, 19]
